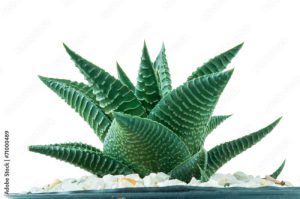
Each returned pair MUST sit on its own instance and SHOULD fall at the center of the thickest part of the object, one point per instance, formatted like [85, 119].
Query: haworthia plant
[148, 127]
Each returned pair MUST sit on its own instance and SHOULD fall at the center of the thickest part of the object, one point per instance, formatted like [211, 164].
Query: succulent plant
[149, 127]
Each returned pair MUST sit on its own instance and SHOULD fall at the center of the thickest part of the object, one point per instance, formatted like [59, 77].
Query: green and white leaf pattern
[216, 64]
[187, 169]
[81, 98]
[278, 171]
[147, 87]
[170, 139]
[111, 93]
[222, 153]
[124, 78]
[83, 156]
[143, 142]
[162, 71]
[212, 124]
[188, 108]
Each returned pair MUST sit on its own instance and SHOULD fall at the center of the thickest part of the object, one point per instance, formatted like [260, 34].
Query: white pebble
[238, 179]
[172, 182]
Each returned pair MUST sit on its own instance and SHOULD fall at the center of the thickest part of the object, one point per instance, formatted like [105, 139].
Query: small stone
[126, 182]
[134, 176]
[241, 176]
[238, 179]
[70, 185]
[54, 183]
[36, 190]
[153, 179]
[91, 182]
[82, 179]
[194, 182]
[264, 182]
[171, 183]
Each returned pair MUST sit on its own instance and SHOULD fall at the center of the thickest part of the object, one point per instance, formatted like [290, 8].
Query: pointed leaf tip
[277, 121]
[66, 47]
[42, 77]
[69, 51]
[236, 49]
[229, 72]
[222, 153]
[145, 48]
[239, 46]
[45, 80]
[278, 171]
[163, 48]
[121, 118]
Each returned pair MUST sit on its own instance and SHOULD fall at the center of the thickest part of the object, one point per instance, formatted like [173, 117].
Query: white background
[264, 86]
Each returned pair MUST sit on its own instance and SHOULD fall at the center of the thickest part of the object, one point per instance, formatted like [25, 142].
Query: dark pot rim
[269, 192]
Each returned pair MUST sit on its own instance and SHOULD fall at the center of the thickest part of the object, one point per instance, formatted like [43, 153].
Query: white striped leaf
[188, 108]
[212, 124]
[147, 87]
[276, 173]
[221, 154]
[85, 157]
[124, 78]
[110, 92]
[216, 64]
[81, 98]
[162, 71]
[144, 145]
[190, 167]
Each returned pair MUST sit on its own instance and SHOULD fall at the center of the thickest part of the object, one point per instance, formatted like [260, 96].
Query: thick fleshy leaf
[81, 98]
[147, 87]
[202, 166]
[83, 156]
[203, 159]
[278, 170]
[216, 64]
[144, 145]
[188, 108]
[212, 124]
[203, 176]
[78, 145]
[190, 167]
[162, 71]
[110, 92]
[124, 78]
[186, 169]
[221, 154]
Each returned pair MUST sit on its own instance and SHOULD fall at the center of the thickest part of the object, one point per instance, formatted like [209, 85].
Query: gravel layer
[238, 179]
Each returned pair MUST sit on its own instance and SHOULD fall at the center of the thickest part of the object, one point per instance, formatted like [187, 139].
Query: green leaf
[162, 71]
[186, 170]
[188, 108]
[147, 88]
[278, 170]
[212, 124]
[203, 176]
[216, 64]
[221, 154]
[85, 157]
[202, 166]
[144, 145]
[203, 159]
[124, 78]
[190, 167]
[110, 92]
[78, 145]
[80, 97]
